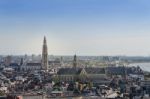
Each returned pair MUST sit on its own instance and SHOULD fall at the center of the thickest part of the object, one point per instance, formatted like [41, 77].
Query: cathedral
[31, 66]
[45, 55]
[77, 73]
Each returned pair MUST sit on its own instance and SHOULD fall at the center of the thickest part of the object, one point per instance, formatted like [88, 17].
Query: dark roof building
[54, 62]
[96, 75]
[14, 64]
[88, 70]
[33, 64]
[123, 70]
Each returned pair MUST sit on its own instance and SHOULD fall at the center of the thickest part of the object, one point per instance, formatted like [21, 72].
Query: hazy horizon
[82, 27]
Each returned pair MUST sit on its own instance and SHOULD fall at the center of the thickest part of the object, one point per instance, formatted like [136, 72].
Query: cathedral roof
[88, 70]
[33, 64]
[54, 62]
[66, 71]
[95, 70]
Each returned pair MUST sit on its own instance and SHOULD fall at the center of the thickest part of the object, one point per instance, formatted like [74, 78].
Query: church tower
[44, 55]
[75, 61]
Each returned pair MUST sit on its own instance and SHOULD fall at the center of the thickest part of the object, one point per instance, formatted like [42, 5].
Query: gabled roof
[83, 72]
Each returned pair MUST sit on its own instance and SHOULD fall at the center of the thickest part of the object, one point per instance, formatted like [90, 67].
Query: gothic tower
[44, 55]
[75, 61]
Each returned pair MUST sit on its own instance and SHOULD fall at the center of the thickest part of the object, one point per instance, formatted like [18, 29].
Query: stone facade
[45, 55]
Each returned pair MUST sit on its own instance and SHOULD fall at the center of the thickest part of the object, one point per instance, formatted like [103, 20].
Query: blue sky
[84, 27]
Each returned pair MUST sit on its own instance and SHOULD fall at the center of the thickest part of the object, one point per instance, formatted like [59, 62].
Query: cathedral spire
[45, 55]
[75, 61]
[44, 41]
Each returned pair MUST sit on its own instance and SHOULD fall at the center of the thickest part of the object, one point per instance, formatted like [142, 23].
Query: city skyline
[84, 27]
